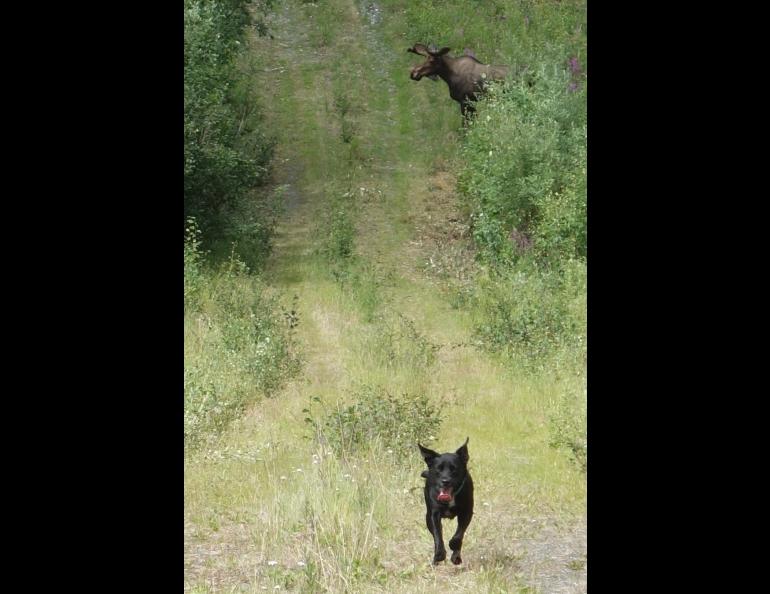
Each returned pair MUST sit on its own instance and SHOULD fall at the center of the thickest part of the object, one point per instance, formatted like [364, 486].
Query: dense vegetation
[227, 153]
[239, 342]
[238, 346]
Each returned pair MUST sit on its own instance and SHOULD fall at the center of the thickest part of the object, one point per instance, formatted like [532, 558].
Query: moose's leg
[467, 110]
[456, 544]
[439, 552]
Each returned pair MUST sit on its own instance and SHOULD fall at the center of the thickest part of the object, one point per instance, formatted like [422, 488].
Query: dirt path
[411, 233]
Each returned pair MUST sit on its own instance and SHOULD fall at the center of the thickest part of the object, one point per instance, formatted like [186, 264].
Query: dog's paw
[439, 557]
[456, 559]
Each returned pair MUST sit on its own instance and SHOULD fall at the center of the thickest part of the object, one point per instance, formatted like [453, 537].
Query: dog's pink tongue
[444, 495]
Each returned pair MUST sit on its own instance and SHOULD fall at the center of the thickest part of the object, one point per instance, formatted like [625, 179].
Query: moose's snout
[414, 74]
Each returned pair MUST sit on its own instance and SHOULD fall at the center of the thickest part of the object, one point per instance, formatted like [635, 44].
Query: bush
[397, 344]
[240, 345]
[376, 417]
[226, 154]
[248, 229]
[255, 334]
[568, 426]
[524, 177]
[193, 272]
[338, 232]
[533, 315]
[211, 402]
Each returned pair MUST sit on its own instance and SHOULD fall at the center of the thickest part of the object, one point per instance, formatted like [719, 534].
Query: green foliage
[568, 424]
[337, 231]
[255, 336]
[240, 345]
[367, 285]
[193, 266]
[524, 174]
[396, 343]
[226, 154]
[532, 316]
[210, 404]
[248, 228]
[375, 417]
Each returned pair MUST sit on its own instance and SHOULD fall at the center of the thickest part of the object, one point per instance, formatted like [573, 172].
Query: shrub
[193, 272]
[248, 229]
[524, 178]
[255, 333]
[211, 402]
[397, 343]
[240, 346]
[568, 425]
[338, 230]
[226, 154]
[375, 416]
[532, 315]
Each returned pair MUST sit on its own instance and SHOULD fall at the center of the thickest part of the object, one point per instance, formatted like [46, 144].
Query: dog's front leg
[456, 543]
[439, 552]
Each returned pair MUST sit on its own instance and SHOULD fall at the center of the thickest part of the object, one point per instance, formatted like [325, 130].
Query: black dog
[448, 493]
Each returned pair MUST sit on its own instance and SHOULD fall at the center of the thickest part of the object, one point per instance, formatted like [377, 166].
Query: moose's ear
[428, 455]
[442, 51]
[463, 451]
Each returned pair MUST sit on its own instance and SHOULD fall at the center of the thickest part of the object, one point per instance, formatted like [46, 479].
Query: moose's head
[433, 66]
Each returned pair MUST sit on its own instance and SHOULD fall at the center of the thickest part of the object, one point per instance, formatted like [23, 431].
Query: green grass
[267, 504]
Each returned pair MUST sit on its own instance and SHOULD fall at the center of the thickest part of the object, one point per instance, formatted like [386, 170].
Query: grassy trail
[266, 510]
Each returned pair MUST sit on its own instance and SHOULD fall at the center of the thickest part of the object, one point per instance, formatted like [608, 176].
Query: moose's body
[465, 76]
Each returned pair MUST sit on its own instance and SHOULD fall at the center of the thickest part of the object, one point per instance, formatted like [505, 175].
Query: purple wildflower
[522, 241]
[574, 66]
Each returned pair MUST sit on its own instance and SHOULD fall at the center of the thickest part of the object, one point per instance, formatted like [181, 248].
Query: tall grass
[239, 344]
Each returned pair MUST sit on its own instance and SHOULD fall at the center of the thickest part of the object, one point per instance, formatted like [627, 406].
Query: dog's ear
[463, 451]
[428, 455]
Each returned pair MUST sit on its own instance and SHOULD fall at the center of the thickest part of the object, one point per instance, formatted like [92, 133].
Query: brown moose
[465, 75]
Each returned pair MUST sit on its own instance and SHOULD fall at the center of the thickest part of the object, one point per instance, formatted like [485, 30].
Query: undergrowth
[239, 342]
[376, 417]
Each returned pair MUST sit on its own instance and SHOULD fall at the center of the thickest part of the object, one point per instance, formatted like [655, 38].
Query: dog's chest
[449, 511]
